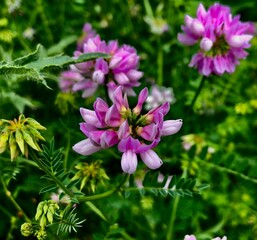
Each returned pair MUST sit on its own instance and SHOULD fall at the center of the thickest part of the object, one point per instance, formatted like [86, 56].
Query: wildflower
[119, 70]
[159, 95]
[88, 32]
[134, 133]
[90, 174]
[222, 38]
[29, 33]
[20, 134]
[192, 237]
[157, 25]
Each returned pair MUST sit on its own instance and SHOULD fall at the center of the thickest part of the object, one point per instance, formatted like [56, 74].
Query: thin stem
[65, 161]
[170, 230]
[45, 21]
[224, 169]
[160, 63]
[104, 194]
[198, 91]
[49, 173]
[16, 205]
[148, 9]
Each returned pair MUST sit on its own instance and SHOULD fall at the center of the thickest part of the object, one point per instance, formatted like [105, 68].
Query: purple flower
[192, 237]
[159, 95]
[88, 32]
[120, 70]
[222, 39]
[135, 134]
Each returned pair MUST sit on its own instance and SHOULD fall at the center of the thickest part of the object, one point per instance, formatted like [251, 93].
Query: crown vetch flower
[134, 133]
[222, 38]
[192, 237]
[120, 70]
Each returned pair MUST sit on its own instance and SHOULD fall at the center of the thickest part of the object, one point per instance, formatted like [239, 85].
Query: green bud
[34, 132]
[39, 210]
[33, 123]
[42, 221]
[51, 209]
[50, 216]
[4, 135]
[19, 140]
[29, 140]
[13, 147]
[41, 234]
[26, 229]
[45, 208]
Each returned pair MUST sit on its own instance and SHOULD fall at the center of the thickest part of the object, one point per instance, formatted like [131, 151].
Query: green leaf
[49, 188]
[60, 61]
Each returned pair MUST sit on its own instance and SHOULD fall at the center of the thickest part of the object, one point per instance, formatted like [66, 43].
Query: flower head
[159, 95]
[192, 237]
[18, 135]
[121, 69]
[134, 133]
[222, 39]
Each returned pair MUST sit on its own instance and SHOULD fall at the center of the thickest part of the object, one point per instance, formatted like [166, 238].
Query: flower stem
[227, 170]
[160, 63]
[10, 197]
[104, 194]
[170, 230]
[198, 92]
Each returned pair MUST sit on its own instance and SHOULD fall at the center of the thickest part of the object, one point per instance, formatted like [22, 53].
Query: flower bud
[26, 229]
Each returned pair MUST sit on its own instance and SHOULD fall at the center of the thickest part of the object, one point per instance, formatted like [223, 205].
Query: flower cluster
[223, 39]
[159, 95]
[121, 69]
[192, 237]
[133, 132]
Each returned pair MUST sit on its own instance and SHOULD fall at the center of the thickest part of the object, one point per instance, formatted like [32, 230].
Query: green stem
[198, 91]
[148, 9]
[104, 194]
[51, 175]
[160, 63]
[10, 197]
[68, 147]
[227, 170]
[170, 230]
[45, 21]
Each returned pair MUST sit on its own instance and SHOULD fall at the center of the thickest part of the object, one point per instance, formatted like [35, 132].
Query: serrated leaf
[64, 60]
[31, 57]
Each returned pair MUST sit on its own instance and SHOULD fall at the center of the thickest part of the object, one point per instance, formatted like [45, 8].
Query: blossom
[222, 39]
[121, 69]
[134, 133]
[159, 95]
[87, 32]
[192, 237]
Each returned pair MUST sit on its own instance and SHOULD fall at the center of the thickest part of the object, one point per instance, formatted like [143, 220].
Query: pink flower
[192, 237]
[222, 38]
[135, 134]
[120, 70]
[88, 32]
